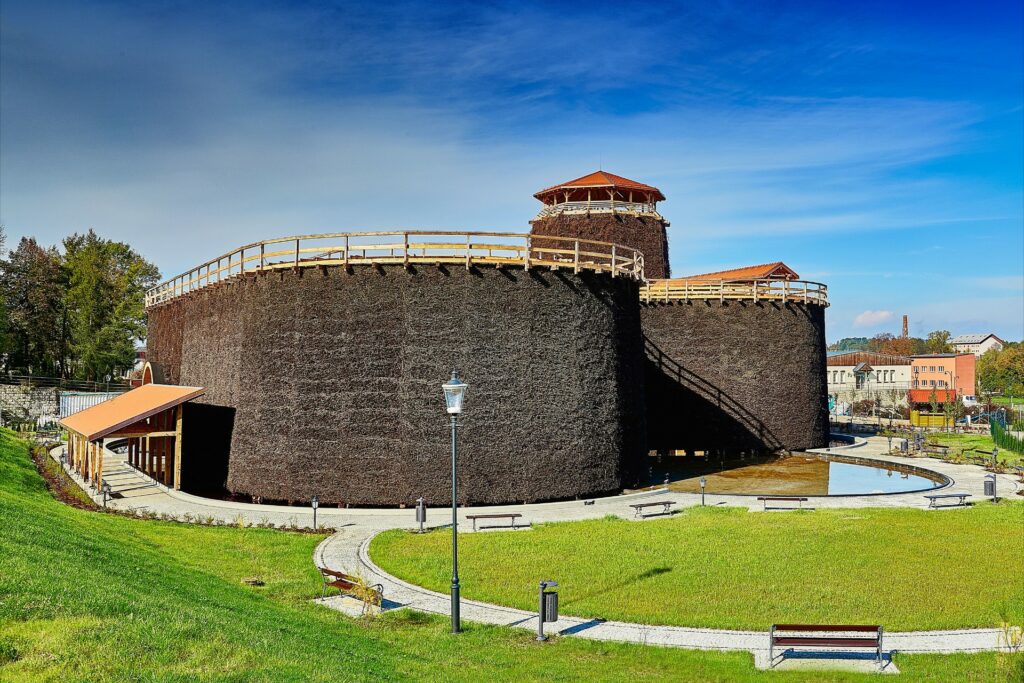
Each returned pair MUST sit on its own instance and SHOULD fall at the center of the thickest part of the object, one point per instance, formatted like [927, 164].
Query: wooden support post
[613, 260]
[576, 257]
[526, 256]
[147, 457]
[469, 239]
[346, 252]
[99, 465]
[262, 250]
[296, 254]
[177, 448]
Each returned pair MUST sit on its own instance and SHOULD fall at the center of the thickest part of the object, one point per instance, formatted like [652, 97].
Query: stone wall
[334, 378]
[735, 376]
[644, 233]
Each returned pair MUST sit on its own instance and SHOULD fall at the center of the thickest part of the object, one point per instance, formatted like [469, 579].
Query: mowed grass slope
[728, 568]
[91, 597]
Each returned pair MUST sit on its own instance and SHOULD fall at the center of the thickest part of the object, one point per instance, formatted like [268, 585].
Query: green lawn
[729, 568]
[967, 443]
[91, 597]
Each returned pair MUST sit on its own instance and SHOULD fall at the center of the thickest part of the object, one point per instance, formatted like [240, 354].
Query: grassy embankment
[906, 569]
[86, 596]
[972, 445]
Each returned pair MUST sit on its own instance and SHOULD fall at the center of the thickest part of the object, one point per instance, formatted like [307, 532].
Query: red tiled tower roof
[605, 180]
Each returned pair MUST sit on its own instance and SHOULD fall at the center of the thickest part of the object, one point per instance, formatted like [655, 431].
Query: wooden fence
[798, 291]
[405, 248]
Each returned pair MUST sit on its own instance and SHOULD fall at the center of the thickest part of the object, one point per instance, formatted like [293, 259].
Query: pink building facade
[940, 371]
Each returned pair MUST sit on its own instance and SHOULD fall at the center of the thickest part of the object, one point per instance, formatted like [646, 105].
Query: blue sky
[876, 147]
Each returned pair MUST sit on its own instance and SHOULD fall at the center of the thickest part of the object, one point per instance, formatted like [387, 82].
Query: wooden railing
[405, 248]
[598, 206]
[799, 291]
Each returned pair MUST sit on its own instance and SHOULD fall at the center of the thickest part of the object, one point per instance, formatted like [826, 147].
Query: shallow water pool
[799, 475]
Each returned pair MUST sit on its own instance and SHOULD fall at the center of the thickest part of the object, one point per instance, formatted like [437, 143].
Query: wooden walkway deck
[405, 248]
[782, 291]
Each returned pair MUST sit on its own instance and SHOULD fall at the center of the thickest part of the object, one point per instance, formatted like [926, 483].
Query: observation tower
[608, 208]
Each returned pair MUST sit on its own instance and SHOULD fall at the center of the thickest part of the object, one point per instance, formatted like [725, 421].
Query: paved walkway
[346, 549]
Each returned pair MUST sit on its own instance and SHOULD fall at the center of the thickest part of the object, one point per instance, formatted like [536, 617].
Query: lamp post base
[456, 621]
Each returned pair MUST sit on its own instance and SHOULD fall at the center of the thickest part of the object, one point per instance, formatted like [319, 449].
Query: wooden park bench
[782, 499]
[932, 498]
[638, 508]
[349, 585]
[836, 637]
[498, 515]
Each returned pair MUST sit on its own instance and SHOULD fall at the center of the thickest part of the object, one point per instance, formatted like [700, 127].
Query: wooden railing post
[613, 260]
[576, 257]
[526, 255]
[405, 249]
[346, 251]
[262, 252]
[469, 237]
[296, 254]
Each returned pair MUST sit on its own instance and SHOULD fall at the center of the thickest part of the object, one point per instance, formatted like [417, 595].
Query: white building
[977, 344]
[855, 376]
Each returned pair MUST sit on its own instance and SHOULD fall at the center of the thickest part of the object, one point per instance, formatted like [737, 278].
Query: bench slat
[495, 516]
[826, 627]
[826, 642]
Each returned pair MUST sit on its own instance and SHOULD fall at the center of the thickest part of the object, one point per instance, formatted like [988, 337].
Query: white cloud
[872, 318]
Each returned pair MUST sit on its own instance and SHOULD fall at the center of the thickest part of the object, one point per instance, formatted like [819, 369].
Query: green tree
[4, 325]
[1002, 372]
[938, 342]
[32, 285]
[850, 344]
[934, 403]
[105, 299]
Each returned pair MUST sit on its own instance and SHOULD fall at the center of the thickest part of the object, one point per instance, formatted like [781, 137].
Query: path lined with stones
[346, 550]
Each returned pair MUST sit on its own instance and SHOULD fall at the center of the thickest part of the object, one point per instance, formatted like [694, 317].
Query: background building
[856, 376]
[943, 371]
[977, 344]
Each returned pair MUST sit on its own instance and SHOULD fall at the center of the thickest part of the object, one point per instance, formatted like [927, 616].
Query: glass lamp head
[454, 394]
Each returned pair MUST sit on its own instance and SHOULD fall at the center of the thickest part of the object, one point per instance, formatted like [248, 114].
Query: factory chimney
[906, 332]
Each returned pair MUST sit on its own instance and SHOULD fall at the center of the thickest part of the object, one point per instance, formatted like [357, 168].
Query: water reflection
[798, 475]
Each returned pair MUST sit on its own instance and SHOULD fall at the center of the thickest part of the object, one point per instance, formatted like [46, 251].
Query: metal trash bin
[421, 513]
[550, 606]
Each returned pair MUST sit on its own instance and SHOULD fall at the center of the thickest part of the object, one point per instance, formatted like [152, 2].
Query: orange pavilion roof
[602, 179]
[128, 408]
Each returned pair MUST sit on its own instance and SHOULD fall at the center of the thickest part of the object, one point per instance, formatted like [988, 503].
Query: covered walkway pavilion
[149, 417]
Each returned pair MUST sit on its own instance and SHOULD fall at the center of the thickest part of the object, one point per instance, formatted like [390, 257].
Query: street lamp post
[703, 483]
[314, 502]
[454, 395]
